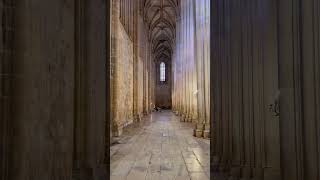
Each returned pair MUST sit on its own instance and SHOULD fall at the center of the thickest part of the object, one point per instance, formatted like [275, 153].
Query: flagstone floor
[160, 148]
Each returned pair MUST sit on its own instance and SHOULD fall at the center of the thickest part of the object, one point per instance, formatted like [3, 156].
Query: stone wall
[131, 70]
[122, 77]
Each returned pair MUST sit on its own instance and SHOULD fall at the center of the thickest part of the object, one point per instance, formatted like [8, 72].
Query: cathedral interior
[159, 89]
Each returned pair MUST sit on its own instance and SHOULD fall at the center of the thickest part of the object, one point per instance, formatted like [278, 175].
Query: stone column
[194, 86]
[183, 63]
[135, 29]
[186, 60]
[190, 59]
[206, 78]
[199, 56]
[151, 74]
[179, 66]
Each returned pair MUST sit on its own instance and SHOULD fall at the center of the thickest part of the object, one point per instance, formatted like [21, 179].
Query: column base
[187, 118]
[137, 118]
[117, 131]
[198, 131]
[181, 117]
[206, 132]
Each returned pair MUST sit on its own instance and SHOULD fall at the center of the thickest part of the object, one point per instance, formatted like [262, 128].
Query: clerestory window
[162, 72]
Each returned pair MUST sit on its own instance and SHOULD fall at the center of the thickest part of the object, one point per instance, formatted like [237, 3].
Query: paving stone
[162, 148]
[117, 177]
[199, 176]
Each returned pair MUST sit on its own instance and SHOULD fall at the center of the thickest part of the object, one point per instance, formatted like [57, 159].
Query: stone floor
[160, 148]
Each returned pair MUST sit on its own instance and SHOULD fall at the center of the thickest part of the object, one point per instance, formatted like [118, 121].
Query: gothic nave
[159, 89]
[152, 68]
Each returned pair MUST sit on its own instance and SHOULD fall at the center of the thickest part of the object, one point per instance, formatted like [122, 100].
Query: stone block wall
[122, 79]
[130, 60]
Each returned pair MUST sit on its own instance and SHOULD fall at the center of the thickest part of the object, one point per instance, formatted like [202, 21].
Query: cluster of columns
[265, 74]
[145, 71]
[191, 65]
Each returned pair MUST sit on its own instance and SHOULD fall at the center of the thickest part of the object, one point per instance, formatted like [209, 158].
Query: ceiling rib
[160, 16]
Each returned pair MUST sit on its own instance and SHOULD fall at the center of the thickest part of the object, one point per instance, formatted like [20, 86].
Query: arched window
[162, 72]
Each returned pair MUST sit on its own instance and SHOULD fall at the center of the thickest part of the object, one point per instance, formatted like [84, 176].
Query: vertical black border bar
[108, 98]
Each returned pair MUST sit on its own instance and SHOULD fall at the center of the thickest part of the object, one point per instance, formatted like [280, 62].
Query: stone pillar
[183, 63]
[199, 47]
[186, 59]
[192, 59]
[207, 78]
[135, 29]
[178, 66]
[176, 81]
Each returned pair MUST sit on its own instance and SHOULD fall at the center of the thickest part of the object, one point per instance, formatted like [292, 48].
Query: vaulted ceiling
[160, 16]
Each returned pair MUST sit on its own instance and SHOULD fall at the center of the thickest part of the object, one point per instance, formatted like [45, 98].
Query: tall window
[162, 72]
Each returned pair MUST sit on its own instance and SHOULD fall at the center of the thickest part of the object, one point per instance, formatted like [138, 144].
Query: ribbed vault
[160, 16]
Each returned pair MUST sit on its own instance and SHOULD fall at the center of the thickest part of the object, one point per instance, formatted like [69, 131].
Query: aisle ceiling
[160, 16]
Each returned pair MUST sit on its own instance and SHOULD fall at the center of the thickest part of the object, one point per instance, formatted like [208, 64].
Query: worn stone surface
[160, 147]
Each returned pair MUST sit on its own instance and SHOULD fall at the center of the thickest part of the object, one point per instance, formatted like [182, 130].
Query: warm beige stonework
[131, 71]
[122, 74]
